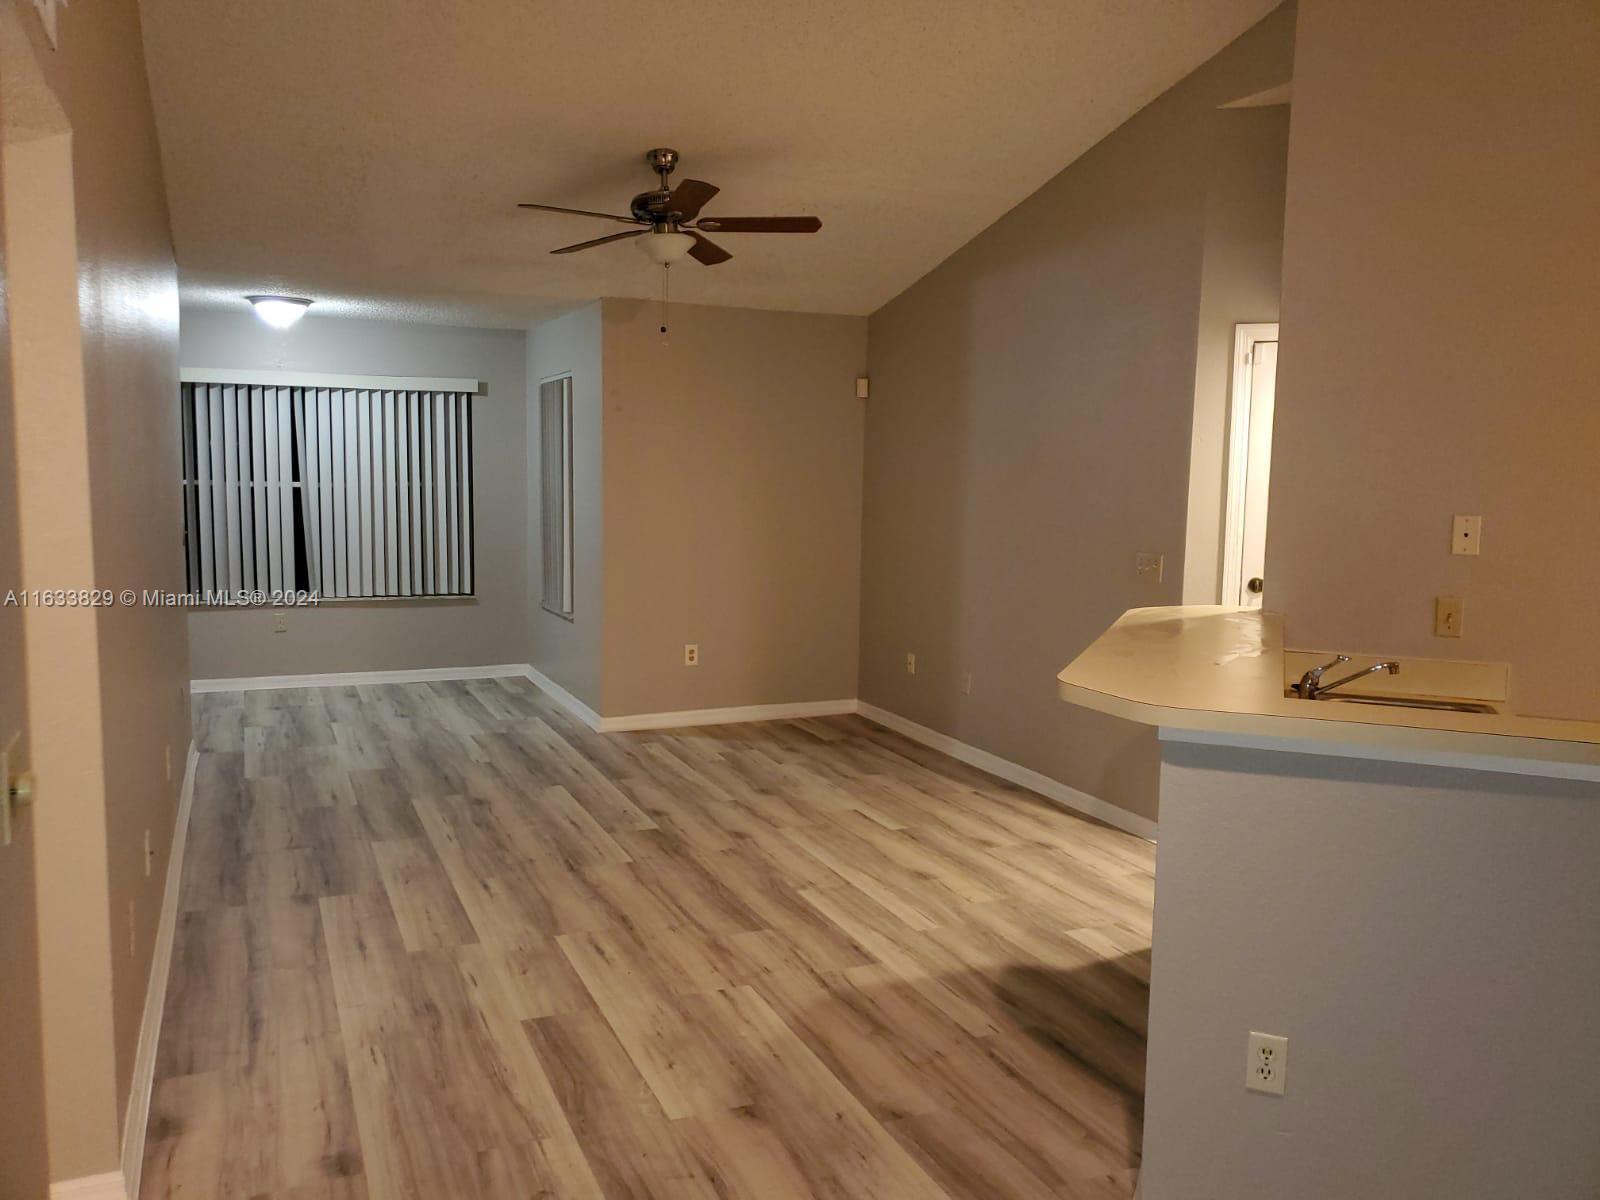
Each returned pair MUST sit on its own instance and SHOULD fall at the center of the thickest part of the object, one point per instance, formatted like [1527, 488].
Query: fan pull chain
[666, 297]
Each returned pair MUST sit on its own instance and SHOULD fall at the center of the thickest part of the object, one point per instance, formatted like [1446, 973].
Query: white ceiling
[370, 153]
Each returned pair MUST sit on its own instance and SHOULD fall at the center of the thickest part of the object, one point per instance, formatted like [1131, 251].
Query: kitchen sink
[1424, 702]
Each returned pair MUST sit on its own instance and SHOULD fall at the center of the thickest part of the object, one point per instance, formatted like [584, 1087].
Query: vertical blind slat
[464, 404]
[363, 489]
[283, 419]
[391, 580]
[425, 490]
[452, 543]
[191, 488]
[273, 488]
[310, 470]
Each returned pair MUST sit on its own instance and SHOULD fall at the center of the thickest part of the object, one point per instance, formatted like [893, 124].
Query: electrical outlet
[166, 752]
[149, 855]
[1266, 1067]
[1149, 566]
[1448, 615]
[966, 684]
[1466, 535]
[280, 623]
[691, 654]
[911, 663]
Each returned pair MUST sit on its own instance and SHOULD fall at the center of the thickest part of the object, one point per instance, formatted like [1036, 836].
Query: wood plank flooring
[440, 940]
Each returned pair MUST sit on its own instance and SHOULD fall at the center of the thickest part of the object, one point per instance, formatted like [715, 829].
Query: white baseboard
[258, 683]
[562, 697]
[1034, 781]
[137, 1117]
[109, 1186]
[685, 718]
[1051, 789]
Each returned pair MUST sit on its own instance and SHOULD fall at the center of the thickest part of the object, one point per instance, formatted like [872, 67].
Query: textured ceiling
[370, 153]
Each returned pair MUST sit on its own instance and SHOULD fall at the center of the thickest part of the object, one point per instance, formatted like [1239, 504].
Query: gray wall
[91, 323]
[386, 634]
[732, 506]
[1439, 350]
[1029, 433]
[568, 651]
[1425, 938]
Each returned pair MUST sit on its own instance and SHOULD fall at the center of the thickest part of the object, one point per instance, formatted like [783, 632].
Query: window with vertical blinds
[343, 492]
[555, 492]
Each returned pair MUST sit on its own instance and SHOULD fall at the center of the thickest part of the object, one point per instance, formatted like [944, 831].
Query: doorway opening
[1250, 412]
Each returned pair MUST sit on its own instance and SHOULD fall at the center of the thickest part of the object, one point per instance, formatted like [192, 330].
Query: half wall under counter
[1411, 897]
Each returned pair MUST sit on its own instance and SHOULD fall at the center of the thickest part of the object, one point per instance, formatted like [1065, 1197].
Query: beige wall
[94, 321]
[1439, 350]
[383, 635]
[568, 651]
[1029, 433]
[1241, 268]
[733, 460]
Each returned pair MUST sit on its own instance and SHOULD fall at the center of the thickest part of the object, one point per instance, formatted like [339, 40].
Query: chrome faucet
[1311, 685]
[1311, 681]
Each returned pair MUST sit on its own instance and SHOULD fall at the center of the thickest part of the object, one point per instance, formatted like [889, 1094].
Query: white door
[1250, 464]
[23, 1168]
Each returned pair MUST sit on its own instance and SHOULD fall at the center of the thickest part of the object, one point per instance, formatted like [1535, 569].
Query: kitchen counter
[1408, 896]
[1215, 674]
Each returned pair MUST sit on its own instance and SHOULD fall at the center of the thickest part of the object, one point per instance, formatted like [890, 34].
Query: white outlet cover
[1266, 1064]
[1466, 536]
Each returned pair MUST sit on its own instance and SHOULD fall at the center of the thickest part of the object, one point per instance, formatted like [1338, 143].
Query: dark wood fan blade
[615, 237]
[690, 196]
[706, 251]
[761, 224]
[580, 212]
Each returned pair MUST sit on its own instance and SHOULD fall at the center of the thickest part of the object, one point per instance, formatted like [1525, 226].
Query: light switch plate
[1466, 535]
[1448, 614]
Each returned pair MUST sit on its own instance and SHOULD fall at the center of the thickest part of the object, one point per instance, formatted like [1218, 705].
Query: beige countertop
[1209, 673]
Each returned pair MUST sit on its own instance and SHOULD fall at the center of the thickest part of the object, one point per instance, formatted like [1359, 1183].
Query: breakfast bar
[1402, 879]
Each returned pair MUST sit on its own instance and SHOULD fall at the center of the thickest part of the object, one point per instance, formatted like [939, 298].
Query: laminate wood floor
[441, 940]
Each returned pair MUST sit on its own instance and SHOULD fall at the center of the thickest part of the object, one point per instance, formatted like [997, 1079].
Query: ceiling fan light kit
[668, 221]
[665, 247]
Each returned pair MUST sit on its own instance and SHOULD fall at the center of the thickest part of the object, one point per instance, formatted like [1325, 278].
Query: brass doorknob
[1255, 586]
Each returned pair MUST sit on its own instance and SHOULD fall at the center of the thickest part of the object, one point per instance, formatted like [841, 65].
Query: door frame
[1245, 337]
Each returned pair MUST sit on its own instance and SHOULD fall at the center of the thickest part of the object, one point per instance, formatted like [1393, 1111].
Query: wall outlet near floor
[1466, 535]
[1149, 566]
[691, 654]
[911, 663]
[280, 622]
[1448, 614]
[1266, 1067]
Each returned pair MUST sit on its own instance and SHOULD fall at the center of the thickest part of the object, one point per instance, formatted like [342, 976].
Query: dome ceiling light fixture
[279, 311]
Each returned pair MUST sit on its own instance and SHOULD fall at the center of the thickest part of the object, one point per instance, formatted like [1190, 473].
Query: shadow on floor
[1095, 1017]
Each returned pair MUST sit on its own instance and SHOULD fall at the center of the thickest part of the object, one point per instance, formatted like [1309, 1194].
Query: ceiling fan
[671, 222]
